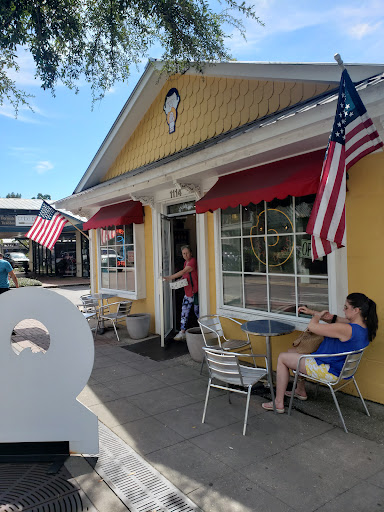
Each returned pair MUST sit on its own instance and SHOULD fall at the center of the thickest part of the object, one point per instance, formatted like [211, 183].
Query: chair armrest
[202, 327]
[238, 323]
[333, 355]
[327, 355]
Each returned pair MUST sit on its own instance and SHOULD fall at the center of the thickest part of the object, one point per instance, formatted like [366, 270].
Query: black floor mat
[152, 349]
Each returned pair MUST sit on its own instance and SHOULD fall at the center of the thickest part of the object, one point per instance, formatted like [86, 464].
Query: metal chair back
[124, 308]
[347, 374]
[211, 330]
[224, 366]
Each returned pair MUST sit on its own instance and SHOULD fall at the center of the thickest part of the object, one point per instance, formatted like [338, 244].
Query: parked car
[17, 259]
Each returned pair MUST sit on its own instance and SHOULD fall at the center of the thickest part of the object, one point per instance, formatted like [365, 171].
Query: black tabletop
[267, 327]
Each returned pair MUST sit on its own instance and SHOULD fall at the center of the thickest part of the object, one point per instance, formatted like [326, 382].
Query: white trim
[139, 268]
[337, 287]
[203, 262]
[157, 264]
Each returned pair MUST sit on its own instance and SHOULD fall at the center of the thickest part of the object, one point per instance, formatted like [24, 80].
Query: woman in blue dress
[353, 332]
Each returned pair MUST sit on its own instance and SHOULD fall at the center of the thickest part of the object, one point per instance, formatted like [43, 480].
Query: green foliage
[100, 40]
[13, 195]
[42, 196]
[25, 281]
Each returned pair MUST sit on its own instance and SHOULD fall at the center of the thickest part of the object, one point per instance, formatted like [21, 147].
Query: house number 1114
[176, 192]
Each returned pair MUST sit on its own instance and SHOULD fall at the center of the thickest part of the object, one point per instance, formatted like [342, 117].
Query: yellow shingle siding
[208, 107]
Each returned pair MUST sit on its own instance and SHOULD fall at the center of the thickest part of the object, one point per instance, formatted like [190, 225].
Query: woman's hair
[187, 247]
[368, 311]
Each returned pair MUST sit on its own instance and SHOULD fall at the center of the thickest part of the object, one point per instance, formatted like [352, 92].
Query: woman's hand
[167, 278]
[306, 311]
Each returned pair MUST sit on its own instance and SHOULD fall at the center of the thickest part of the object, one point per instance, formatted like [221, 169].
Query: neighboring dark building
[70, 255]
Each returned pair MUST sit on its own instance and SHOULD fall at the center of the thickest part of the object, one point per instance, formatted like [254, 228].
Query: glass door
[166, 309]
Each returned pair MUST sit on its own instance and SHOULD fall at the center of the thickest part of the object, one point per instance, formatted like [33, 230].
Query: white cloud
[43, 166]
[363, 29]
[350, 18]
[7, 110]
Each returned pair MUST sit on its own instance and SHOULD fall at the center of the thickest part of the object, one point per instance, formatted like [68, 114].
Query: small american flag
[47, 227]
[106, 234]
[353, 136]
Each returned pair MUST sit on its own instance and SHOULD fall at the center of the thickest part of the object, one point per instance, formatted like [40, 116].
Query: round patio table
[268, 328]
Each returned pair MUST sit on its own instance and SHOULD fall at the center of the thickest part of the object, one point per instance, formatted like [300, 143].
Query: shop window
[266, 262]
[121, 269]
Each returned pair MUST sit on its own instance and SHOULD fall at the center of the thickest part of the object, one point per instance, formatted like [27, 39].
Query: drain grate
[139, 486]
[28, 487]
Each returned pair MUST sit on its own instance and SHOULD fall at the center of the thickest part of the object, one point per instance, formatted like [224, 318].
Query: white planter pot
[195, 343]
[138, 325]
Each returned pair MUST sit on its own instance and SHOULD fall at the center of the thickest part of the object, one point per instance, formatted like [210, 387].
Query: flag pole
[82, 232]
[339, 60]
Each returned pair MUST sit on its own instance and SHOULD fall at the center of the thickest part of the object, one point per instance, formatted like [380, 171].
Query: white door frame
[202, 257]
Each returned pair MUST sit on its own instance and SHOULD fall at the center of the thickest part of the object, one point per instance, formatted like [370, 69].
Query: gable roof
[151, 83]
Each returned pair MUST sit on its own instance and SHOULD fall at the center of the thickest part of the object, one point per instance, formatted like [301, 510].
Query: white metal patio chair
[347, 375]
[225, 367]
[213, 335]
[90, 310]
[123, 310]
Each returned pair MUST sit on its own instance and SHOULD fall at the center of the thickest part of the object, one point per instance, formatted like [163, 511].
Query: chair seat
[250, 376]
[114, 316]
[89, 315]
[234, 344]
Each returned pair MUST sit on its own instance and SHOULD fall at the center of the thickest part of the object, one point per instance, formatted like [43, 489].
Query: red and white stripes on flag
[106, 235]
[47, 227]
[353, 136]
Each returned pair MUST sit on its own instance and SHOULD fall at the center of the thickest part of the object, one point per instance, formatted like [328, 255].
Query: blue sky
[49, 150]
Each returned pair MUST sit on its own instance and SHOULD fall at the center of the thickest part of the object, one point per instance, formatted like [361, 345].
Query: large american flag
[47, 227]
[353, 136]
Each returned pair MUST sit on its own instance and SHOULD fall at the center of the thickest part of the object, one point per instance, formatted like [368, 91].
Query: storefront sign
[306, 249]
[7, 220]
[25, 220]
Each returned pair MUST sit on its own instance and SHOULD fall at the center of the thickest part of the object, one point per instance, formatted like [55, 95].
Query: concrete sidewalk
[300, 463]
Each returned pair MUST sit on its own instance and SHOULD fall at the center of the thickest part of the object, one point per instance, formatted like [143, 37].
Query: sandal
[268, 406]
[299, 397]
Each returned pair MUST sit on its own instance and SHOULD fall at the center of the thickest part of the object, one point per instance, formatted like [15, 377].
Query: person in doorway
[190, 299]
[6, 272]
[353, 332]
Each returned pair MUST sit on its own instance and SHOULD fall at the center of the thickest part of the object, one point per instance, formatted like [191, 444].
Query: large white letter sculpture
[38, 391]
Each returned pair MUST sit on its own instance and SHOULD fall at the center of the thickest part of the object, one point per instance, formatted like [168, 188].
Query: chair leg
[338, 408]
[361, 397]
[229, 394]
[270, 382]
[293, 393]
[247, 409]
[202, 365]
[114, 326]
[206, 399]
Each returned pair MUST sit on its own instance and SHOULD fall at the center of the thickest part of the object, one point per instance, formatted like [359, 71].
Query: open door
[166, 309]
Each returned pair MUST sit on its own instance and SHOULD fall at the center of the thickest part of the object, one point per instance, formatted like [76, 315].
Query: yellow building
[247, 140]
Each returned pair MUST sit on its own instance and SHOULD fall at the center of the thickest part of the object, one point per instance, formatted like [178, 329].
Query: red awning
[298, 176]
[130, 212]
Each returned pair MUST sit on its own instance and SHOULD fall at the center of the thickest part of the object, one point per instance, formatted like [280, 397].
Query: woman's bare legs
[286, 361]
[300, 388]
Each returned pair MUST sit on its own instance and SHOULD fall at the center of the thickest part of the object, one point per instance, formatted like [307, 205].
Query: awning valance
[130, 212]
[297, 176]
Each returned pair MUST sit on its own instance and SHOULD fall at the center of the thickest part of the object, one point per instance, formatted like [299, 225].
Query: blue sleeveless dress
[358, 340]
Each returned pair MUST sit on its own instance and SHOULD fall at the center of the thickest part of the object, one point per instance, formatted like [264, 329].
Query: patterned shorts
[320, 371]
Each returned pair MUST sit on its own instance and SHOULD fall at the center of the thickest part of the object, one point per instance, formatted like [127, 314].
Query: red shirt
[188, 289]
